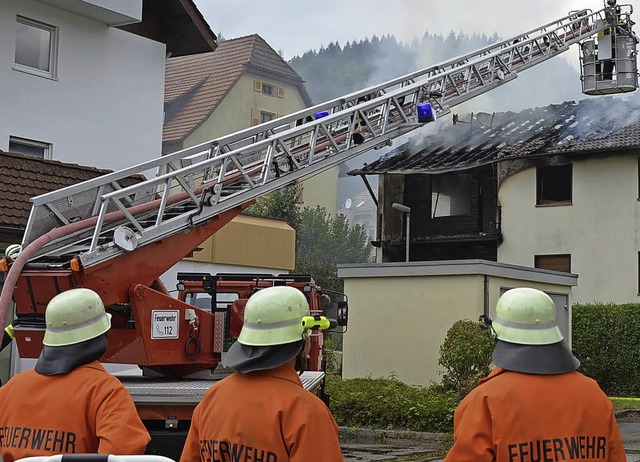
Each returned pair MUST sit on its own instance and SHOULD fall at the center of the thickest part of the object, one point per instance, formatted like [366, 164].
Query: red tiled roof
[197, 84]
[24, 177]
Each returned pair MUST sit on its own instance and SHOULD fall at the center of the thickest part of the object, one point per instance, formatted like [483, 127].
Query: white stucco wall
[599, 229]
[106, 107]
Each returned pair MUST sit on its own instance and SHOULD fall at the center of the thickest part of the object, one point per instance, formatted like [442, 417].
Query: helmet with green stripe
[526, 316]
[273, 316]
[74, 316]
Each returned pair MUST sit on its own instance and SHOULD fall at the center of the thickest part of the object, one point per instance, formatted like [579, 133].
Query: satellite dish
[347, 203]
[125, 238]
[484, 118]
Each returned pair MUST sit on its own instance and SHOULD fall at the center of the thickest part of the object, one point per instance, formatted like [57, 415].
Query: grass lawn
[621, 404]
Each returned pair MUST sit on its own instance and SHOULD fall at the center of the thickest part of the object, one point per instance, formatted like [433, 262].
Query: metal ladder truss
[197, 183]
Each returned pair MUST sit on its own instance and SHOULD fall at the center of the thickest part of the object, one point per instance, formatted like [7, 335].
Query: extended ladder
[197, 183]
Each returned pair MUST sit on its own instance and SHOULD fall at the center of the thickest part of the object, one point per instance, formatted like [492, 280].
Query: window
[258, 116]
[450, 196]
[36, 47]
[554, 185]
[30, 147]
[266, 116]
[553, 262]
[267, 89]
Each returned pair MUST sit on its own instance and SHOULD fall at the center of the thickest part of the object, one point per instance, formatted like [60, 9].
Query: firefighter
[261, 412]
[534, 405]
[608, 65]
[69, 403]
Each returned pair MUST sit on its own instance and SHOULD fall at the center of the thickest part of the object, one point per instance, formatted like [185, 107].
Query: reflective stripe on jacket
[262, 416]
[516, 417]
[85, 411]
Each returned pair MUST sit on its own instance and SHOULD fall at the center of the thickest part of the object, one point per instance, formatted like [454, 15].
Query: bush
[391, 405]
[605, 339]
[465, 355]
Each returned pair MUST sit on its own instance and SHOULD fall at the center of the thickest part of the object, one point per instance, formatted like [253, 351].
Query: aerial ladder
[116, 234]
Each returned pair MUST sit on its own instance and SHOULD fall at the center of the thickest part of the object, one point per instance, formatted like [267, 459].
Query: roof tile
[25, 176]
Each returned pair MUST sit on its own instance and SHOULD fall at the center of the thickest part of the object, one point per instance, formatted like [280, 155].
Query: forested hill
[336, 70]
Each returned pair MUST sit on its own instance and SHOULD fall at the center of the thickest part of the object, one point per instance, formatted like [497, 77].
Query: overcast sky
[295, 26]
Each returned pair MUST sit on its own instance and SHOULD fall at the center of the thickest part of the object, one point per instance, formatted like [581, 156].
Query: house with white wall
[83, 81]
[547, 198]
[81, 91]
[554, 188]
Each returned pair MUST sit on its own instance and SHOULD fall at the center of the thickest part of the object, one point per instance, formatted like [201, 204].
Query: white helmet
[526, 316]
[75, 316]
[273, 316]
[13, 250]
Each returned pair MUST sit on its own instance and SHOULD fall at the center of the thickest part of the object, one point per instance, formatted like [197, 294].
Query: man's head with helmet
[273, 332]
[528, 337]
[76, 326]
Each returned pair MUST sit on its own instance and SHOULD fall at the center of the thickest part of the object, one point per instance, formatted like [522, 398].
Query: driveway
[359, 445]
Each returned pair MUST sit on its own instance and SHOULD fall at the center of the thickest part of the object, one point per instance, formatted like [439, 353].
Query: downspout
[486, 298]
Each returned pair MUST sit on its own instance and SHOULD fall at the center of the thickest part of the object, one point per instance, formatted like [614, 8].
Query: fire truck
[118, 233]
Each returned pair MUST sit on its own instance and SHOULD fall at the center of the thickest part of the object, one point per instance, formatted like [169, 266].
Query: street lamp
[406, 210]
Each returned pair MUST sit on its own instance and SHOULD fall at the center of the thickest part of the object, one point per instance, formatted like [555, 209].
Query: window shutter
[257, 86]
[280, 92]
[553, 262]
[255, 116]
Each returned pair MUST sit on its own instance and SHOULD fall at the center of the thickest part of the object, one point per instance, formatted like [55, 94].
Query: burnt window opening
[554, 185]
[553, 262]
[450, 196]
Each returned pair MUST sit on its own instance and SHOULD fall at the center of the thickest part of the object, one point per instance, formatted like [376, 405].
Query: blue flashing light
[320, 115]
[425, 113]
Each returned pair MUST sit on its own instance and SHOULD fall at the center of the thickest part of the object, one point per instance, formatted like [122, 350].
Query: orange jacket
[262, 416]
[85, 411]
[516, 417]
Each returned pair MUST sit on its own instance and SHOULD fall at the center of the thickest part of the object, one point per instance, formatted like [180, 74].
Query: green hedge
[606, 340]
[390, 404]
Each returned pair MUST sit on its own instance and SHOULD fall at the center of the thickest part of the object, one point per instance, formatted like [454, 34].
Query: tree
[322, 241]
[283, 204]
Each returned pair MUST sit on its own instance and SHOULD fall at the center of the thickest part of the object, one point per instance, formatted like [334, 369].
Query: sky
[295, 26]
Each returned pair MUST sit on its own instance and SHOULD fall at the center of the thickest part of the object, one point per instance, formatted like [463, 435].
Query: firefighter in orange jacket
[534, 406]
[261, 412]
[69, 403]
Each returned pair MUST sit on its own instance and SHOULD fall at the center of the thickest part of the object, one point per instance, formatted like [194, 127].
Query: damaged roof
[591, 125]
[196, 85]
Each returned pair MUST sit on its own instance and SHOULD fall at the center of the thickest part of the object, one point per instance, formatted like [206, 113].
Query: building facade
[554, 188]
[77, 87]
